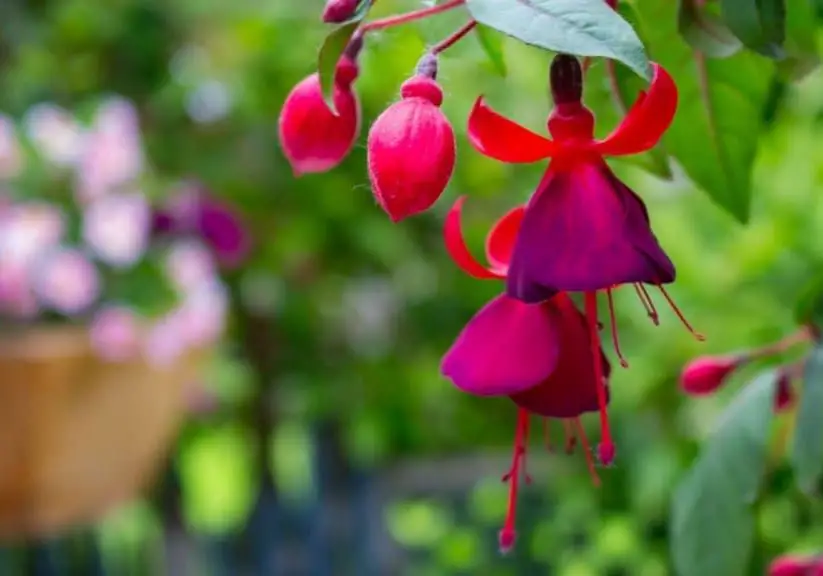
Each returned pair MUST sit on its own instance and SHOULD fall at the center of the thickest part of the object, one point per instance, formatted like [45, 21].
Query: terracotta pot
[77, 434]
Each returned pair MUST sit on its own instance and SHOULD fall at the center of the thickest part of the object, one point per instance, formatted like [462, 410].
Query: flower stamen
[647, 302]
[546, 435]
[676, 310]
[571, 440]
[615, 337]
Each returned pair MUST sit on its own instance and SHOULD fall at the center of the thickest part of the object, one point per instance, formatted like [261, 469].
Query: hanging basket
[78, 434]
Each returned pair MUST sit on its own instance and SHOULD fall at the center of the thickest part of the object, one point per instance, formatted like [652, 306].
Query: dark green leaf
[492, 43]
[706, 32]
[759, 24]
[721, 104]
[579, 27]
[712, 524]
[807, 447]
[330, 52]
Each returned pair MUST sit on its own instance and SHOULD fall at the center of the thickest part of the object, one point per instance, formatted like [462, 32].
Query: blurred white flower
[209, 102]
[204, 312]
[11, 156]
[166, 341]
[117, 228]
[66, 281]
[189, 264]
[27, 230]
[115, 333]
[55, 133]
[113, 154]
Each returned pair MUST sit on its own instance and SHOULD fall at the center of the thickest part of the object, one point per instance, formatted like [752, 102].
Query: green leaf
[330, 52]
[759, 24]
[801, 40]
[492, 43]
[706, 32]
[712, 524]
[716, 131]
[579, 27]
[807, 446]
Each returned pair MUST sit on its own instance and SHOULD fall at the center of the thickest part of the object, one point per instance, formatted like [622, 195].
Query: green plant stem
[399, 19]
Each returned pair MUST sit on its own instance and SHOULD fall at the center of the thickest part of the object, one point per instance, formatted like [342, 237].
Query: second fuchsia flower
[540, 356]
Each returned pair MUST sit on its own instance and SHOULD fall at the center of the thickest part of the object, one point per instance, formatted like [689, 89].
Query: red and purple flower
[539, 355]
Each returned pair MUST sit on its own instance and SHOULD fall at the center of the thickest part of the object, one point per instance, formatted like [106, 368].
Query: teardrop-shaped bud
[337, 11]
[705, 375]
[313, 137]
[784, 393]
[411, 150]
[792, 566]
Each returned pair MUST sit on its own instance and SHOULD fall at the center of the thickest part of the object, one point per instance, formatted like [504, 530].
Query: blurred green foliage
[355, 311]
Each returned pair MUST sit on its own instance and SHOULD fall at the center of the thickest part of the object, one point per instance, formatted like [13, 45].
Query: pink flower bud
[706, 374]
[411, 150]
[791, 566]
[337, 11]
[313, 138]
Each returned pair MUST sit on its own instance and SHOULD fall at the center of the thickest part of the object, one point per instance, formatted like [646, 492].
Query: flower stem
[399, 19]
[804, 334]
[453, 38]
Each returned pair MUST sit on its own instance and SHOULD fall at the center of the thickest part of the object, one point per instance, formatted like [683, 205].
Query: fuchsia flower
[583, 229]
[539, 355]
[411, 147]
[313, 137]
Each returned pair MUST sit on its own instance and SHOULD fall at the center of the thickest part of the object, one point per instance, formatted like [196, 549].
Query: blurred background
[320, 438]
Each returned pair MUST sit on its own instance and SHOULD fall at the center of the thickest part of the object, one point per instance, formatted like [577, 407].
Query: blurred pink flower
[166, 341]
[115, 333]
[11, 157]
[204, 312]
[189, 264]
[113, 153]
[16, 297]
[66, 281]
[117, 228]
[55, 133]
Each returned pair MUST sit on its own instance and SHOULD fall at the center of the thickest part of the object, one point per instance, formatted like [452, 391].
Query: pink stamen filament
[571, 440]
[453, 38]
[615, 336]
[647, 302]
[507, 534]
[677, 311]
[606, 446]
[399, 19]
[581, 433]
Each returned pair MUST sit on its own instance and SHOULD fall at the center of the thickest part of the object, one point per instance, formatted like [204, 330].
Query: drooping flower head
[411, 147]
[583, 230]
[315, 138]
[539, 355]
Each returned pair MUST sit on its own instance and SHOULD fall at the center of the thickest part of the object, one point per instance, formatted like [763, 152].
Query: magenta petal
[584, 230]
[506, 348]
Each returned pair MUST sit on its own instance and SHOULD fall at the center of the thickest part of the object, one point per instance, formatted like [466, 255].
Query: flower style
[411, 147]
[539, 355]
[313, 137]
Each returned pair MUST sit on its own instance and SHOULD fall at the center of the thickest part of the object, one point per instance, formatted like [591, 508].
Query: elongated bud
[411, 147]
[566, 80]
[313, 138]
[337, 11]
[707, 374]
